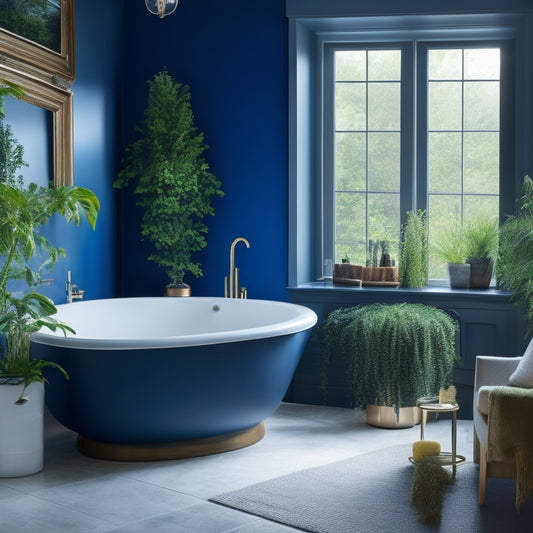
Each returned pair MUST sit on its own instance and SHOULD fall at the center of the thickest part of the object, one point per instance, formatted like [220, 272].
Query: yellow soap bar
[423, 448]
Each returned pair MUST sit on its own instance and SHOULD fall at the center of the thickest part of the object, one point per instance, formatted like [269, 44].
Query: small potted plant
[172, 181]
[481, 241]
[394, 355]
[413, 265]
[450, 247]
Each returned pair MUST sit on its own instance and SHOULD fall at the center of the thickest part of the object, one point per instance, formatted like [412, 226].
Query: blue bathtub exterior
[171, 394]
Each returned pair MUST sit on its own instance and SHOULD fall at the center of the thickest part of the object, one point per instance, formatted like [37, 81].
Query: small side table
[446, 458]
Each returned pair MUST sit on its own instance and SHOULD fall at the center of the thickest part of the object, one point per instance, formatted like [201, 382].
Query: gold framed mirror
[57, 100]
[39, 35]
[43, 67]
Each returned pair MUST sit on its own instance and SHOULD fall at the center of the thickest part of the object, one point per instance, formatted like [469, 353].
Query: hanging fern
[395, 354]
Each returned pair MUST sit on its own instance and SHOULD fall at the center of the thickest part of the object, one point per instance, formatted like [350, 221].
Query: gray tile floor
[75, 493]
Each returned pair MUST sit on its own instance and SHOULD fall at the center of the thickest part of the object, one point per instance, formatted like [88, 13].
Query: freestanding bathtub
[161, 378]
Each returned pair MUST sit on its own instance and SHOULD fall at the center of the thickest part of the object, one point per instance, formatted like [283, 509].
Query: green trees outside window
[381, 120]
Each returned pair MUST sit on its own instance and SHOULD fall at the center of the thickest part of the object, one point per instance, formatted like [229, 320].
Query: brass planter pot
[178, 290]
[385, 417]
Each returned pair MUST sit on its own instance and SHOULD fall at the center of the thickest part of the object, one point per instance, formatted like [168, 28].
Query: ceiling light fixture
[161, 7]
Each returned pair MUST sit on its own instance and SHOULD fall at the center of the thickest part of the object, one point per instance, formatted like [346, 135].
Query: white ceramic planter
[21, 434]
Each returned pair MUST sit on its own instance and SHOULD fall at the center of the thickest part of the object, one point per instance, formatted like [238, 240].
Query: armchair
[503, 425]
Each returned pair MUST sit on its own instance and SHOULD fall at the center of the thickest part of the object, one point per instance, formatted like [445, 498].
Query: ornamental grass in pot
[394, 354]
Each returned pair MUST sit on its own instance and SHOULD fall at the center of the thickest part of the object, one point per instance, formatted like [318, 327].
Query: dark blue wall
[97, 139]
[233, 55]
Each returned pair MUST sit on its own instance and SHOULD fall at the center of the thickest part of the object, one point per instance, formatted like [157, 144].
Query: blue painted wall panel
[97, 137]
[233, 55]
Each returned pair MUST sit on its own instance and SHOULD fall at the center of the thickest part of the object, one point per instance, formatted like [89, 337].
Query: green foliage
[414, 256]
[395, 354]
[172, 178]
[22, 213]
[476, 238]
[515, 259]
[450, 245]
[481, 237]
[430, 481]
[11, 152]
[36, 20]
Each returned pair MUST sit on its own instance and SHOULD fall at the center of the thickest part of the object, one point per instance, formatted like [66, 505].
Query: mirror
[44, 69]
[52, 22]
[59, 102]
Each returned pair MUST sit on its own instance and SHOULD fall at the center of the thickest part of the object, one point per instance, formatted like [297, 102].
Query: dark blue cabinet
[489, 324]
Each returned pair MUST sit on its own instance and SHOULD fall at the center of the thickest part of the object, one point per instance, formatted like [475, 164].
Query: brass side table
[446, 458]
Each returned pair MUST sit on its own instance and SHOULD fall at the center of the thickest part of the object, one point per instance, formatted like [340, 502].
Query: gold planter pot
[385, 417]
[181, 290]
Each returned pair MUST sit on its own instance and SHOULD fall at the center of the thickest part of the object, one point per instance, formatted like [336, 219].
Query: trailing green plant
[413, 268]
[515, 259]
[172, 179]
[394, 354]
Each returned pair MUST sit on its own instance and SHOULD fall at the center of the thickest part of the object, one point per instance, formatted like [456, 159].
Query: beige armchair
[503, 426]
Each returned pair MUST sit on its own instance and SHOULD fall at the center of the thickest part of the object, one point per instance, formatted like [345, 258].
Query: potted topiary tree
[394, 354]
[24, 255]
[172, 180]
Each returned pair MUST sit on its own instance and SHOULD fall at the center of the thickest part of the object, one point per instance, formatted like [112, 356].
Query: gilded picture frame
[33, 55]
[58, 100]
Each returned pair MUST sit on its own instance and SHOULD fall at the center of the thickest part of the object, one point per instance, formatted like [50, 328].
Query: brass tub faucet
[233, 290]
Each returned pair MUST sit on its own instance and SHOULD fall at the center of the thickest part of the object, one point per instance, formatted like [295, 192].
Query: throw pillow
[523, 375]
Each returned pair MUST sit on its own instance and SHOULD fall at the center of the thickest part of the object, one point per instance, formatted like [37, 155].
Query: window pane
[481, 163]
[350, 170]
[384, 106]
[465, 159]
[350, 65]
[384, 220]
[384, 162]
[384, 65]
[444, 162]
[445, 64]
[350, 106]
[445, 105]
[482, 64]
[350, 224]
[482, 105]
[442, 209]
[486, 206]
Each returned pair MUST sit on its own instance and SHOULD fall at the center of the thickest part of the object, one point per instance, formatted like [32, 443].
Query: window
[371, 138]
[372, 111]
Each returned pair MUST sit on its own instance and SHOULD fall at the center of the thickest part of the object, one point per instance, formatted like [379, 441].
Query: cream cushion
[482, 398]
[523, 375]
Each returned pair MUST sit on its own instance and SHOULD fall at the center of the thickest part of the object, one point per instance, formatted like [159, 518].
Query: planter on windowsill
[348, 274]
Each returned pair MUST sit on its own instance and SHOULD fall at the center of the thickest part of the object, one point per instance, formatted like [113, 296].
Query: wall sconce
[161, 7]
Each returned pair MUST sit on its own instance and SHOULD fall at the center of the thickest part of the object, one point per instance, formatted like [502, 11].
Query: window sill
[326, 291]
